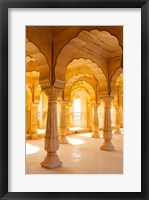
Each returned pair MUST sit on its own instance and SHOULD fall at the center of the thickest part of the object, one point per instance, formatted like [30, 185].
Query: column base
[107, 146]
[63, 140]
[95, 135]
[51, 161]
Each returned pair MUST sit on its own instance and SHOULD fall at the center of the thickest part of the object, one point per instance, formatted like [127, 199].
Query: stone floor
[81, 156]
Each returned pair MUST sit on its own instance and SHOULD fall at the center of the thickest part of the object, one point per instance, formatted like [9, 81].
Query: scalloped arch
[80, 91]
[93, 70]
[87, 86]
[74, 45]
[40, 64]
[76, 78]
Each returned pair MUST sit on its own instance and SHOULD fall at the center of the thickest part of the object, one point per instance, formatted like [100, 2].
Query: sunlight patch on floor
[30, 149]
[86, 135]
[75, 141]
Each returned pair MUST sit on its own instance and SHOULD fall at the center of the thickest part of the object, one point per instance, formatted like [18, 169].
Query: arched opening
[37, 76]
[77, 112]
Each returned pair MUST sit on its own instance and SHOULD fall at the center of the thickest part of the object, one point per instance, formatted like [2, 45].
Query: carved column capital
[52, 92]
[107, 101]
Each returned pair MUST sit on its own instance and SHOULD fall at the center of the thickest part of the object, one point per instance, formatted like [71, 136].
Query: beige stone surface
[81, 156]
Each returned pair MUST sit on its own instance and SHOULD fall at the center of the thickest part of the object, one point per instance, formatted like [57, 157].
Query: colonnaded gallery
[74, 100]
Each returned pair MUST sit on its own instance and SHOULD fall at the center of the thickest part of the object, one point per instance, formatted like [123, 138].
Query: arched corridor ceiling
[80, 77]
[97, 46]
[89, 69]
[80, 92]
[88, 88]
[82, 63]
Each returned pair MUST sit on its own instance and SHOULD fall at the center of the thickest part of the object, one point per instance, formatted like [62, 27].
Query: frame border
[4, 6]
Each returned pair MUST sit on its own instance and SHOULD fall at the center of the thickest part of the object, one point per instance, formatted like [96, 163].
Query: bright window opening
[77, 112]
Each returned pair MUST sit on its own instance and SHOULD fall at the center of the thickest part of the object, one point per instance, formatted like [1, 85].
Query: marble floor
[81, 156]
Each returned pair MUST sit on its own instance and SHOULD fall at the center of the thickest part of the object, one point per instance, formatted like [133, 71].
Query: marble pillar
[51, 160]
[88, 117]
[34, 121]
[28, 121]
[117, 120]
[68, 117]
[91, 118]
[62, 123]
[107, 133]
[95, 122]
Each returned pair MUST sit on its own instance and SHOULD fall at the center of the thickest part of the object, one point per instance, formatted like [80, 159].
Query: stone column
[88, 116]
[121, 117]
[62, 123]
[28, 121]
[117, 121]
[68, 117]
[91, 117]
[34, 121]
[95, 123]
[107, 133]
[51, 160]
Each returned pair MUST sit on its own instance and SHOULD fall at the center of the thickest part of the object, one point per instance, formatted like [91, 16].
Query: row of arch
[68, 57]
